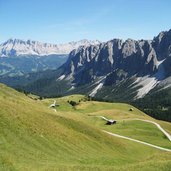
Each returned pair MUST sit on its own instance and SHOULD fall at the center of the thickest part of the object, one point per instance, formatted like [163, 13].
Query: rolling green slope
[35, 137]
[127, 123]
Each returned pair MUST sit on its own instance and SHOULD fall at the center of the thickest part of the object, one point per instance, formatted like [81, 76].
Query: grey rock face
[116, 69]
[119, 59]
[162, 45]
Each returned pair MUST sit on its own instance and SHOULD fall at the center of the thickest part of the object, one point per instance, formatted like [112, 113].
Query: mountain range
[19, 57]
[142, 64]
[17, 47]
[115, 70]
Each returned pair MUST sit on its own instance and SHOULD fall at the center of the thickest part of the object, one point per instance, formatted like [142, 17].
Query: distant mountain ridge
[19, 57]
[107, 69]
[146, 62]
[134, 71]
[117, 69]
[17, 47]
[22, 65]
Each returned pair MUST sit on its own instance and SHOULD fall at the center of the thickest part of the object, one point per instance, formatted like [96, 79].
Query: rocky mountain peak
[117, 60]
[17, 47]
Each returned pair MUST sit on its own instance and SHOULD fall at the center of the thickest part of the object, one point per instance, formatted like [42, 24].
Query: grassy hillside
[90, 111]
[35, 137]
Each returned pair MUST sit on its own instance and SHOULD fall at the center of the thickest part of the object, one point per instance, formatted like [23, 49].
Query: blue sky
[59, 21]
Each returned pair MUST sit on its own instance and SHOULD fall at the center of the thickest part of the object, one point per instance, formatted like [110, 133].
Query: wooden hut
[110, 122]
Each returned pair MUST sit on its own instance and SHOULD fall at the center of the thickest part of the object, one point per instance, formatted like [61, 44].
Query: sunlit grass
[35, 137]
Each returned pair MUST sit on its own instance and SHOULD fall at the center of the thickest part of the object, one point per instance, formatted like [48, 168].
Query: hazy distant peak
[18, 47]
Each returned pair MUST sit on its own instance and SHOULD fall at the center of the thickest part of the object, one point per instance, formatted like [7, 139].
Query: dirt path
[158, 125]
[131, 139]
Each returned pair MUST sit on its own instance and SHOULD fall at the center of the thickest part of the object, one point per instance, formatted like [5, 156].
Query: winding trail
[158, 125]
[53, 104]
[138, 141]
[104, 118]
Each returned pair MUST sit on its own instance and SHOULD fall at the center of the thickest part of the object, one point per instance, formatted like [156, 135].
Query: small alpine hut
[131, 109]
[110, 122]
[54, 104]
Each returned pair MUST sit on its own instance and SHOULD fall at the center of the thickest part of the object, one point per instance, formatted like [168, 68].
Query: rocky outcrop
[114, 70]
[117, 60]
[131, 57]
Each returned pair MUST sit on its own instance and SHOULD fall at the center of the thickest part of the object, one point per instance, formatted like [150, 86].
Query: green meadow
[38, 138]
